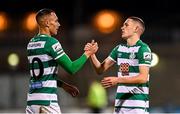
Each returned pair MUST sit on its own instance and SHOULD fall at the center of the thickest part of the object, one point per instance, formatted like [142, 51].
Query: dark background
[162, 20]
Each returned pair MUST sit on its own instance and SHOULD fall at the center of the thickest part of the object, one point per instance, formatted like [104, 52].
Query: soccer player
[44, 55]
[133, 61]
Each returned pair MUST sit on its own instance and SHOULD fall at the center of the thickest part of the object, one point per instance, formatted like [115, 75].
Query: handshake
[90, 48]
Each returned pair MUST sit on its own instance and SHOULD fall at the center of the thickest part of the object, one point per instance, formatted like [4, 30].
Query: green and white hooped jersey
[42, 52]
[128, 59]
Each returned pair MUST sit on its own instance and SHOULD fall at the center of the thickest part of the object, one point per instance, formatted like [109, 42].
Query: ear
[136, 29]
[46, 23]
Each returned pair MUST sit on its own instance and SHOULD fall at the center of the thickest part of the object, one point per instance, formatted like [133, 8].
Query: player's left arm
[71, 89]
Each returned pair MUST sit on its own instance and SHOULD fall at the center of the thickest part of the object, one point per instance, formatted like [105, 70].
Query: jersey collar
[138, 42]
[43, 35]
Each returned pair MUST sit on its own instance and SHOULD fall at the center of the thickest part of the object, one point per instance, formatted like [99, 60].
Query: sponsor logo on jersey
[147, 56]
[132, 55]
[124, 69]
[36, 85]
[119, 54]
[35, 45]
[57, 47]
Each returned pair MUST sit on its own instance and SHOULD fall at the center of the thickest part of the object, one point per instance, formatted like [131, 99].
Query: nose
[122, 27]
[59, 25]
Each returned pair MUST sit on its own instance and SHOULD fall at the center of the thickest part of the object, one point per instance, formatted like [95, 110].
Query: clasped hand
[91, 48]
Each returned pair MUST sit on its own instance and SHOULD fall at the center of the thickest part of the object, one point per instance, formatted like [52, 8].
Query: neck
[133, 40]
[44, 31]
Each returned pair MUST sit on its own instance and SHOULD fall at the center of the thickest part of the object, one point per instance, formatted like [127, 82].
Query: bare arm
[71, 89]
[101, 67]
[141, 78]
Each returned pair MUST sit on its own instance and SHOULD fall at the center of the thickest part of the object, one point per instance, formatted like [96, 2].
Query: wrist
[93, 55]
[87, 54]
[60, 83]
[119, 80]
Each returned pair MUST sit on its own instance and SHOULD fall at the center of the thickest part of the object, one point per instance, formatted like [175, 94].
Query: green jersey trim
[40, 102]
[132, 96]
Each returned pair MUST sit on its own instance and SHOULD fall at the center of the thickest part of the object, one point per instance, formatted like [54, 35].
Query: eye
[56, 20]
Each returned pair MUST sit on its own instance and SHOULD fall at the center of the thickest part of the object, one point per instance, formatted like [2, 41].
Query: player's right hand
[71, 89]
[91, 48]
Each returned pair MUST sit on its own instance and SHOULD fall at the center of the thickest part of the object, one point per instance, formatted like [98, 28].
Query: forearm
[139, 79]
[60, 83]
[96, 64]
[72, 67]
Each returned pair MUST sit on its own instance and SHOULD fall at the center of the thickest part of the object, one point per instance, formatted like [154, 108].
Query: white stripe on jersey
[111, 59]
[41, 96]
[59, 52]
[132, 103]
[60, 55]
[50, 83]
[130, 74]
[132, 89]
[131, 62]
[43, 57]
[128, 49]
[47, 71]
[36, 45]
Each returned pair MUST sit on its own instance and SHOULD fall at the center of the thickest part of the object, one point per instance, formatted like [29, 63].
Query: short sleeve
[55, 49]
[144, 56]
[113, 54]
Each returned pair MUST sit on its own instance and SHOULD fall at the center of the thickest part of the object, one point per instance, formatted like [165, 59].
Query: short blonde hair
[140, 21]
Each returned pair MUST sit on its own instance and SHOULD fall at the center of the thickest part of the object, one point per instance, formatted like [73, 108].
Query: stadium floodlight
[13, 59]
[30, 22]
[107, 21]
[155, 59]
[3, 21]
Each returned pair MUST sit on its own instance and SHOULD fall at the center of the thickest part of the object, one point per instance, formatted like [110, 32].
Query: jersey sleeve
[72, 66]
[55, 49]
[113, 54]
[144, 56]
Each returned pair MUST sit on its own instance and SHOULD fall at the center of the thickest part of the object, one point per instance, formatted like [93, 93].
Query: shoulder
[32, 39]
[52, 40]
[119, 46]
[54, 44]
[144, 47]
[115, 49]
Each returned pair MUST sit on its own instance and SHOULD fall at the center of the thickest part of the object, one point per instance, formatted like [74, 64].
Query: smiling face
[128, 29]
[52, 23]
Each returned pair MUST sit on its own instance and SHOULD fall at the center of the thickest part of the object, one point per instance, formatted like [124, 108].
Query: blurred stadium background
[81, 21]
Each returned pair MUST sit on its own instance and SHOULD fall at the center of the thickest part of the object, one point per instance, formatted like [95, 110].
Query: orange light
[3, 21]
[106, 21]
[30, 22]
